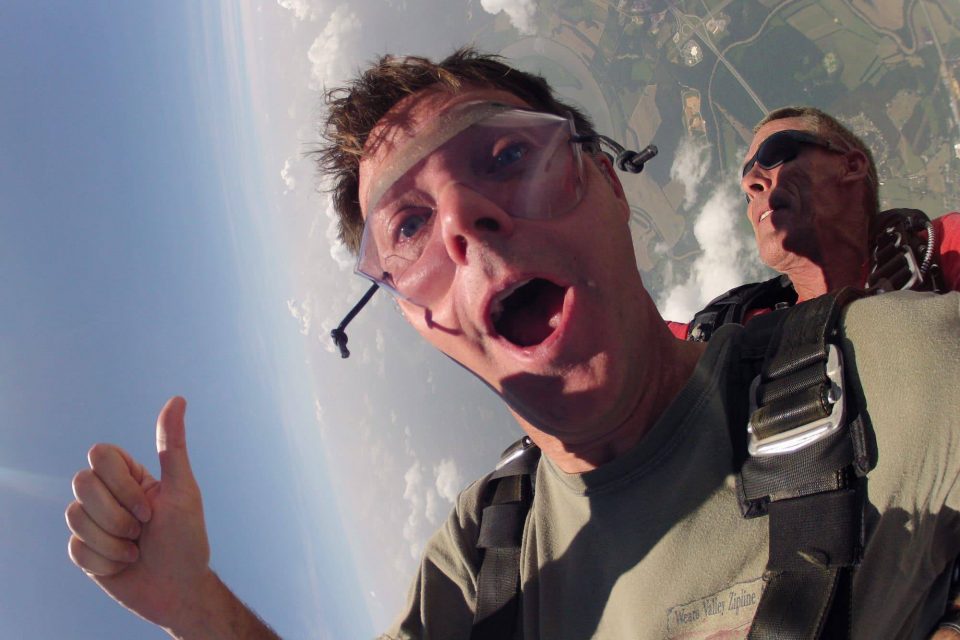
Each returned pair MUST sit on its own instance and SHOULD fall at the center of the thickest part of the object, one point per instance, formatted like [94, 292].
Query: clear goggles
[526, 163]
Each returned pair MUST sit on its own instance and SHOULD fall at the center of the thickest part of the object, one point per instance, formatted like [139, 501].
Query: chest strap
[508, 496]
[733, 305]
[807, 455]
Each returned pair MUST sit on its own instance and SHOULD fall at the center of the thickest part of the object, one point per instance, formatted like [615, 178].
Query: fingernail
[133, 553]
[142, 512]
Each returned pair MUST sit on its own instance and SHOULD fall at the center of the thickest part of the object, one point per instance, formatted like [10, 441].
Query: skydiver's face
[545, 311]
[795, 206]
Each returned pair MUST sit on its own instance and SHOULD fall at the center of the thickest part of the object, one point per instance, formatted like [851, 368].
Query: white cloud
[521, 12]
[329, 64]
[727, 258]
[302, 312]
[33, 485]
[424, 510]
[427, 504]
[301, 9]
[449, 481]
[287, 176]
[690, 167]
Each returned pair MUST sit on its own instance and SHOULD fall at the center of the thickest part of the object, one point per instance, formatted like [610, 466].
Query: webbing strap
[501, 534]
[814, 543]
[792, 606]
[811, 495]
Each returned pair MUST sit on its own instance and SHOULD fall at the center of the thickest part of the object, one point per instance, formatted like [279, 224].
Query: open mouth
[530, 313]
[766, 214]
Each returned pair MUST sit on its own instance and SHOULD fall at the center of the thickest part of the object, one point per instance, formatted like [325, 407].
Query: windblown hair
[830, 128]
[353, 110]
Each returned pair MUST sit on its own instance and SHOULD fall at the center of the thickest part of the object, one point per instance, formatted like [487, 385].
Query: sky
[162, 231]
[157, 224]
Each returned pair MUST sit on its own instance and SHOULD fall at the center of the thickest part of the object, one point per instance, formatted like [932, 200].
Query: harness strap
[811, 493]
[733, 305]
[501, 533]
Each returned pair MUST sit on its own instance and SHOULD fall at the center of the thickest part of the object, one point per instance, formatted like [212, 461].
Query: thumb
[172, 444]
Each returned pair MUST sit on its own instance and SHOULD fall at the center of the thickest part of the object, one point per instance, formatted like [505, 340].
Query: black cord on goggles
[624, 159]
[784, 146]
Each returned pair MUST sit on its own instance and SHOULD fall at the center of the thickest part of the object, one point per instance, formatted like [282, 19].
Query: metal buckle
[804, 435]
[514, 451]
[916, 276]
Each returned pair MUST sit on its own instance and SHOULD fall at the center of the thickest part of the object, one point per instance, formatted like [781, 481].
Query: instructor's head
[809, 182]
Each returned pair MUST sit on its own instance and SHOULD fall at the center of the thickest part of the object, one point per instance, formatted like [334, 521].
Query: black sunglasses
[784, 146]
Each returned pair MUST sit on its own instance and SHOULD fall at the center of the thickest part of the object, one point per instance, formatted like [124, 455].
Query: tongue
[532, 313]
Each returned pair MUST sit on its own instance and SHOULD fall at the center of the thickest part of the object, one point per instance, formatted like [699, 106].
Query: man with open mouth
[632, 508]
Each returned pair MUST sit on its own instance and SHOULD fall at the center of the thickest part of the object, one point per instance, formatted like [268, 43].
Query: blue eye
[412, 224]
[509, 156]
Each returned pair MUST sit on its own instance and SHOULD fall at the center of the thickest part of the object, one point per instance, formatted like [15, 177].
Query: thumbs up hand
[144, 541]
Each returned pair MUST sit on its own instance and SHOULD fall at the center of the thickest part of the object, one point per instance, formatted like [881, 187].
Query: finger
[91, 561]
[122, 476]
[102, 506]
[172, 445]
[90, 533]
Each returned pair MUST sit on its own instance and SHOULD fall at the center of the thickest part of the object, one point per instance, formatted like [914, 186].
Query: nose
[468, 217]
[755, 182]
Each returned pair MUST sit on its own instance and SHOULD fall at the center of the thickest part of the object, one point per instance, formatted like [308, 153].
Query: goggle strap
[339, 334]
[624, 159]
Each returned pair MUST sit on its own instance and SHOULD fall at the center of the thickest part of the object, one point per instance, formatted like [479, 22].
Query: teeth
[554, 321]
[496, 309]
[765, 214]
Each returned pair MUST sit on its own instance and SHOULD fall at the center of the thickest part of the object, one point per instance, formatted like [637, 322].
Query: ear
[605, 165]
[854, 166]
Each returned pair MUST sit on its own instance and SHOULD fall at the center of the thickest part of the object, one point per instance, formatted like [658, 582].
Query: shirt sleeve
[947, 228]
[442, 598]
[678, 329]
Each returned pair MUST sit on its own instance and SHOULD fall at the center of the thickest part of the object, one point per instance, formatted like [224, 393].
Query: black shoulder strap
[507, 499]
[733, 305]
[806, 458]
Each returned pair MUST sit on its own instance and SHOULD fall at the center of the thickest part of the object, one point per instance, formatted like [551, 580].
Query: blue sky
[161, 233]
[135, 264]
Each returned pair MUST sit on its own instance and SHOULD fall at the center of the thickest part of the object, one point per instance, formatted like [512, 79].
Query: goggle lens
[522, 162]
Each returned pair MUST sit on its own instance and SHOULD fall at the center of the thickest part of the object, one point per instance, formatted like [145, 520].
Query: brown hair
[354, 109]
[830, 128]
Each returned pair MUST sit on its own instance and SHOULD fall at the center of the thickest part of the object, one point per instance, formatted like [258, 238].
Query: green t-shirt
[652, 544]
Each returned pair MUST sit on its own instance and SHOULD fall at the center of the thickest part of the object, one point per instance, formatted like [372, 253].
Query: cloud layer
[329, 54]
[301, 9]
[424, 501]
[727, 257]
[521, 12]
[690, 167]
